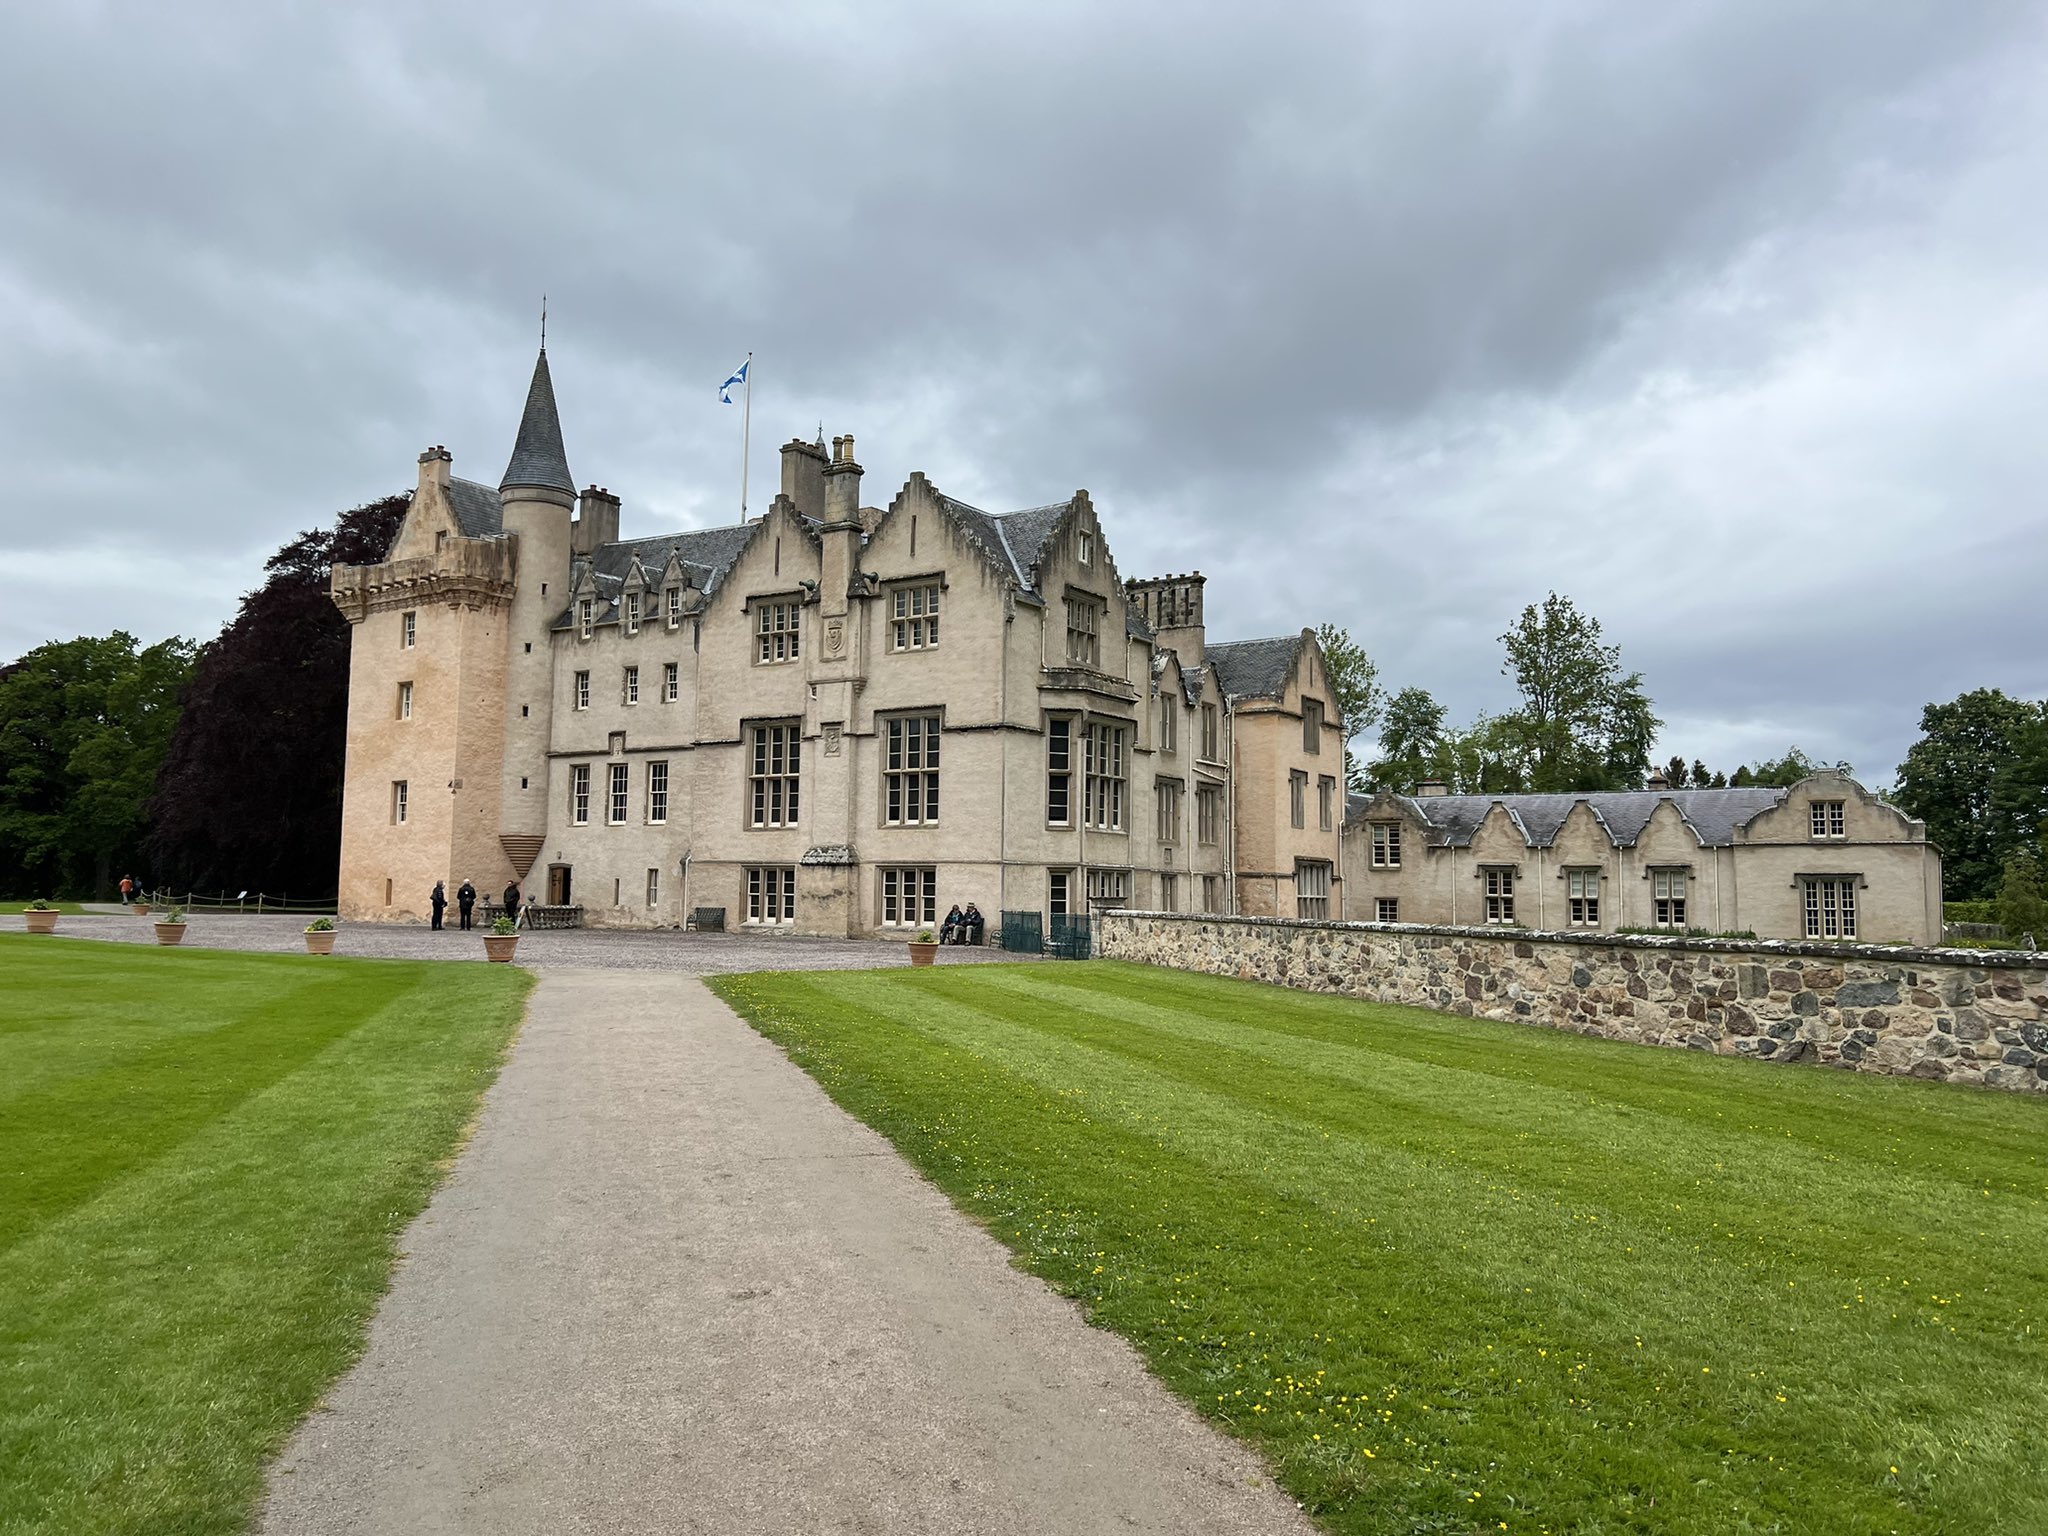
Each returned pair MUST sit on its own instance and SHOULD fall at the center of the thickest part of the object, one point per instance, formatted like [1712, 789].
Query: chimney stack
[1658, 783]
[597, 521]
[436, 465]
[842, 484]
[803, 476]
[1429, 789]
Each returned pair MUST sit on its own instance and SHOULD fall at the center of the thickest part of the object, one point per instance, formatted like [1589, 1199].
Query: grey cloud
[1400, 315]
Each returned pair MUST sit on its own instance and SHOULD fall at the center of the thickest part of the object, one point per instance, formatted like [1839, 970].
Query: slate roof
[479, 510]
[1247, 669]
[707, 554]
[1714, 814]
[537, 454]
[1015, 541]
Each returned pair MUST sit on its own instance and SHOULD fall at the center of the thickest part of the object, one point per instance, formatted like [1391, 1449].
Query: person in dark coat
[465, 901]
[512, 901]
[440, 901]
[971, 924]
[949, 933]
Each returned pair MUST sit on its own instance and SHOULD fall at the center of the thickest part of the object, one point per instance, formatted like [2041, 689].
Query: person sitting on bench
[949, 932]
[971, 924]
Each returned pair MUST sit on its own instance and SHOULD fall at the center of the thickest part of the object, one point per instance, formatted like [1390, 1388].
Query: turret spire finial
[543, 322]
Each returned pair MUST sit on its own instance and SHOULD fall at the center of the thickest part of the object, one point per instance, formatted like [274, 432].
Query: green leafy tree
[1959, 778]
[84, 725]
[1354, 679]
[2022, 903]
[1412, 738]
[1583, 723]
[1779, 773]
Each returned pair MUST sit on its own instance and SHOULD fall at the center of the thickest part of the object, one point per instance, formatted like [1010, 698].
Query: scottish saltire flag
[740, 378]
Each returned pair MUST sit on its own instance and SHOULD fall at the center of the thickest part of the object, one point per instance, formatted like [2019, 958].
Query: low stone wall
[1963, 1016]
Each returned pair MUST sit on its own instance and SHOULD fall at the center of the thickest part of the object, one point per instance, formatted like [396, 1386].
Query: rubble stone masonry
[1960, 1016]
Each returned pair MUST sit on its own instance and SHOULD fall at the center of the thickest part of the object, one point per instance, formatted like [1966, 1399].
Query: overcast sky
[1729, 321]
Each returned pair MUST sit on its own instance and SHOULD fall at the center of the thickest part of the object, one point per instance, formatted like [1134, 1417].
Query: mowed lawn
[1454, 1276]
[205, 1162]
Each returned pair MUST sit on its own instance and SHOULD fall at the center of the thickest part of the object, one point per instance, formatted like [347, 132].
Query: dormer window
[1828, 820]
[632, 613]
[675, 606]
[586, 617]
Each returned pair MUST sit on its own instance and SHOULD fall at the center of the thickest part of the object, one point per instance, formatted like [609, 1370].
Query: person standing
[512, 900]
[440, 901]
[465, 902]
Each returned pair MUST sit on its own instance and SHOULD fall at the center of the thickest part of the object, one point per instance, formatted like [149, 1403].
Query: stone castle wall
[1961, 1016]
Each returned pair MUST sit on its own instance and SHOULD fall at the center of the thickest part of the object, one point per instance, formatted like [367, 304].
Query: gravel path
[670, 1287]
[701, 954]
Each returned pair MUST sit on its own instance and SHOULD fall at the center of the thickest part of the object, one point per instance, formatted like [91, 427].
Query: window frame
[632, 613]
[1669, 910]
[913, 616]
[1384, 844]
[630, 686]
[671, 682]
[1582, 895]
[1326, 802]
[770, 895]
[917, 884]
[777, 627]
[1105, 774]
[408, 629]
[1212, 734]
[1827, 820]
[1059, 770]
[1085, 611]
[1829, 902]
[586, 617]
[653, 886]
[618, 794]
[401, 801]
[911, 766]
[657, 792]
[579, 690]
[1167, 795]
[1297, 799]
[1208, 815]
[405, 700]
[579, 794]
[1312, 880]
[1312, 727]
[1497, 889]
[1387, 909]
[774, 775]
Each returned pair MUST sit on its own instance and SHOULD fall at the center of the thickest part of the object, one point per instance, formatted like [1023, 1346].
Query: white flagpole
[746, 434]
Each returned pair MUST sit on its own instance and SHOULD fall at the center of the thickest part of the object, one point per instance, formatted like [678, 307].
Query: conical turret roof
[537, 456]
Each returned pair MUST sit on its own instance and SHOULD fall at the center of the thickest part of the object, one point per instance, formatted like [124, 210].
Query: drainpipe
[683, 892]
[1230, 724]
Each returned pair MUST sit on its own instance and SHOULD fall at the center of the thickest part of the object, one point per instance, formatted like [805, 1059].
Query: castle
[836, 719]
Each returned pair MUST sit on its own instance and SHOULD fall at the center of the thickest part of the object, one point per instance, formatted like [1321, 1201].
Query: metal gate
[1072, 937]
[1024, 933]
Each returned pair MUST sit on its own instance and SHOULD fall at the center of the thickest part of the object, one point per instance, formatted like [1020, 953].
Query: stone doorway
[558, 885]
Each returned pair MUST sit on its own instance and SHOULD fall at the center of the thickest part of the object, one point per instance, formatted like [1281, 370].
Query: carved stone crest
[832, 738]
[835, 637]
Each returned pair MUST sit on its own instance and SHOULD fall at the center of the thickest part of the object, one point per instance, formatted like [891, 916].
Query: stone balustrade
[1961, 1016]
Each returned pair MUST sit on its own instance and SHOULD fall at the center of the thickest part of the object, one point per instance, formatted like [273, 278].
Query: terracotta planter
[170, 933]
[322, 942]
[923, 954]
[41, 922]
[139, 908]
[500, 947]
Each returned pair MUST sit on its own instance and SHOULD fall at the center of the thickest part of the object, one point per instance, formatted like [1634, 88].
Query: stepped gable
[1714, 814]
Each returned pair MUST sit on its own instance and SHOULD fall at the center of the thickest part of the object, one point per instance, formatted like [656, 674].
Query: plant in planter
[320, 936]
[502, 940]
[170, 928]
[924, 948]
[41, 916]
